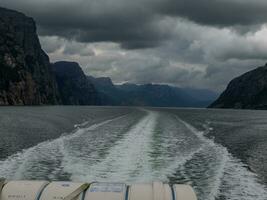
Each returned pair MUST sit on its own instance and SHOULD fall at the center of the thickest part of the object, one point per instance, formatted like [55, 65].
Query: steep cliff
[73, 85]
[248, 91]
[26, 77]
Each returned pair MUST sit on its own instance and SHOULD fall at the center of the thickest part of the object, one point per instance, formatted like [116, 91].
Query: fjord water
[221, 153]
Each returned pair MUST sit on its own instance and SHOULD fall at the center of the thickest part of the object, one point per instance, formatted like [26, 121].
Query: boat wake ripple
[143, 147]
[43, 160]
[230, 179]
[127, 160]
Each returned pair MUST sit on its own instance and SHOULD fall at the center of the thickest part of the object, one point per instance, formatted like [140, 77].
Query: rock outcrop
[74, 87]
[248, 91]
[26, 77]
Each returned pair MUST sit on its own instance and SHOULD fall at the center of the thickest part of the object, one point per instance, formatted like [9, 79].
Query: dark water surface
[221, 153]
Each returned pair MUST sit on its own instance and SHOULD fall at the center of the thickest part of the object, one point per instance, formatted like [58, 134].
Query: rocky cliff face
[25, 73]
[73, 85]
[248, 91]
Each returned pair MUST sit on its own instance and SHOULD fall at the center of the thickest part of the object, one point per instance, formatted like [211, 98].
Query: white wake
[26, 164]
[233, 181]
[127, 160]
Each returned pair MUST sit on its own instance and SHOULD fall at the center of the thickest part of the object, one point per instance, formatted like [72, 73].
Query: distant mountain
[150, 94]
[108, 93]
[25, 73]
[74, 87]
[248, 91]
[204, 95]
[156, 95]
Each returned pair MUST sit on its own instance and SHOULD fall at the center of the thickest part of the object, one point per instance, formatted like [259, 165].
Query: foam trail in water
[172, 147]
[233, 181]
[23, 164]
[239, 183]
[127, 160]
[209, 145]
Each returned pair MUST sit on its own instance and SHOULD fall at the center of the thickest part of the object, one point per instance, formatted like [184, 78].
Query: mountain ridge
[158, 95]
[248, 91]
[74, 87]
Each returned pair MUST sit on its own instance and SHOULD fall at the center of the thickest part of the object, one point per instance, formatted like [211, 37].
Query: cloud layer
[187, 43]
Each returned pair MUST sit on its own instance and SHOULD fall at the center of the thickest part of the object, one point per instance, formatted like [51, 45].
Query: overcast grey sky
[188, 43]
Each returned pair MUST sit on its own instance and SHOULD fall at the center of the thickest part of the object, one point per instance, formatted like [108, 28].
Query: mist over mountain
[150, 94]
[248, 91]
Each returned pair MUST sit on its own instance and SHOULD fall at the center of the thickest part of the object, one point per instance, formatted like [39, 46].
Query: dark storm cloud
[134, 24]
[130, 23]
[218, 12]
[196, 43]
[199, 56]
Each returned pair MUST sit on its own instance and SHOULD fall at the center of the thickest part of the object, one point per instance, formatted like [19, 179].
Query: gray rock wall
[26, 77]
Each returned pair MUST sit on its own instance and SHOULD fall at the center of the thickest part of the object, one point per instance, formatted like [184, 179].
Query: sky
[186, 43]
